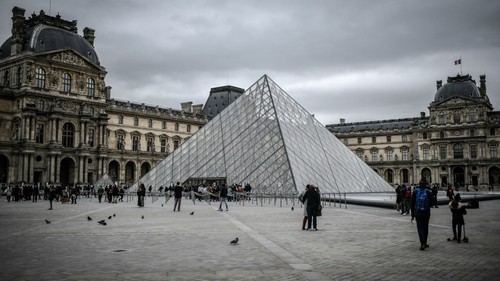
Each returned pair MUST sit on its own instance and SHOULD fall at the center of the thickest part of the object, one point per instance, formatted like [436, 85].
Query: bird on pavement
[142, 216]
[162, 205]
[292, 208]
[192, 213]
[103, 222]
[89, 218]
[234, 241]
[109, 217]
[114, 215]
[47, 221]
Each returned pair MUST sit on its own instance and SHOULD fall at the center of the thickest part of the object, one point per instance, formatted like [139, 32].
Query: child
[458, 211]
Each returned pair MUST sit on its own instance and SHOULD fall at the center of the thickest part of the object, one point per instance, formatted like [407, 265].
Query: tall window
[120, 119]
[473, 151]
[163, 125]
[493, 150]
[40, 77]
[404, 154]
[120, 142]
[374, 139]
[441, 119]
[66, 82]
[458, 151]
[15, 131]
[150, 123]
[492, 131]
[188, 128]
[90, 136]
[359, 153]
[176, 127]
[136, 121]
[390, 154]
[424, 136]
[150, 144]
[472, 133]
[360, 141]
[441, 134]
[404, 138]
[163, 145]
[6, 78]
[456, 117]
[176, 144]
[389, 138]
[135, 143]
[90, 87]
[68, 133]
[39, 132]
[19, 77]
[471, 116]
[425, 153]
[41, 105]
[374, 156]
[442, 152]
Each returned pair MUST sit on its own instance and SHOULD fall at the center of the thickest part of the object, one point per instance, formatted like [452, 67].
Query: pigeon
[89, 218]
[109, 217]
[114, 215]
[292, 208]
[47, 221]
[162, 205]
[234, 241]
[192, 213]
[142, 216]
[102, 222]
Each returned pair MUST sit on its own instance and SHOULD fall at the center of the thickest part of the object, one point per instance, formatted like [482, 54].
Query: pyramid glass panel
[265, 138]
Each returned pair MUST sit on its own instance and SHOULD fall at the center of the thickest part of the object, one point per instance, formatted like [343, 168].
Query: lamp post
[470, 179]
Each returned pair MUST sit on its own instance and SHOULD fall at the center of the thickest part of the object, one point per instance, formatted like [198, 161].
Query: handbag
[318, 211]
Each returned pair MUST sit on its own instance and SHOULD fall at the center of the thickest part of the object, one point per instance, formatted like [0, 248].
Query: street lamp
[470, 179]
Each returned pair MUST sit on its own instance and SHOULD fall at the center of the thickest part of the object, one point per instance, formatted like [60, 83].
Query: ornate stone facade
[58, 122]
[456, 144]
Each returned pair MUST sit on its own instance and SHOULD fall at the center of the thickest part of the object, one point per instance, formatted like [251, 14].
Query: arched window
[120, 119]
[40, 77]
[424, 136]
[456, 117]
[90, 87]
[188, 128]
[68, 133]
[458, 151]
[163, 125]
[176, 127]
[150, 123]
[66, 82]
[136, 121]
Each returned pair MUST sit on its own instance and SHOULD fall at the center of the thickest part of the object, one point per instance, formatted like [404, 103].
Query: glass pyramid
[266, 139]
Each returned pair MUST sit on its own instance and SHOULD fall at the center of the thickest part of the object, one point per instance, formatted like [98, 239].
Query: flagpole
[460, 65]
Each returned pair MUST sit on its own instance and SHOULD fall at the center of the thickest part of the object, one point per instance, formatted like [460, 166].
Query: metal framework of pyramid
[265, 138]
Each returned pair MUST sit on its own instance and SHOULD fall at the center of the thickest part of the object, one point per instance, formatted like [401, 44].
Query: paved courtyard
[353, 243]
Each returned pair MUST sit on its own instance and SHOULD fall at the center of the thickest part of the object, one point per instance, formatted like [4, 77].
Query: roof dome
[43, 33]
[459, 86]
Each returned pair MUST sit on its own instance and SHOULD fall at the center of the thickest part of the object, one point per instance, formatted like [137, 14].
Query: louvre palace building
[455, 144]
[58, 122]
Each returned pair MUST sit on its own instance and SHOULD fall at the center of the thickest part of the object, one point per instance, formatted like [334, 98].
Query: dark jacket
[178, 191]
[414, 199]
[312, 197]
[223, 192]
[458, 213]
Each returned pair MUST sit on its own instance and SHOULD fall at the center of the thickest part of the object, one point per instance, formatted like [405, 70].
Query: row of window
[425, 135]
[150, 143]
[150, 124]
[458, 153]
[68, 134]
[457, 117]
[66, 81]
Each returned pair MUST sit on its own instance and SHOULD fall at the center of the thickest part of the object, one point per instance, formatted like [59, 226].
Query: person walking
[223, 197]
[52, 195]
[420, 209]
[9, 193]
[313, 200]
[100, 192]
[177, 196]
[457, 212]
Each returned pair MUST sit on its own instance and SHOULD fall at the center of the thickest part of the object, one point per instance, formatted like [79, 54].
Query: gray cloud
[359, 60]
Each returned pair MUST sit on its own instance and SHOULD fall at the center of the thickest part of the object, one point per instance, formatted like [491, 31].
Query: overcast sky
[358, 60]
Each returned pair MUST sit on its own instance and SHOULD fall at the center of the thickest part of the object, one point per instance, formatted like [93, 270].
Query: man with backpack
[420, 209]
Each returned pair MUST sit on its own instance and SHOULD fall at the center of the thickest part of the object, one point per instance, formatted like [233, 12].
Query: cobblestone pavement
[353, 243]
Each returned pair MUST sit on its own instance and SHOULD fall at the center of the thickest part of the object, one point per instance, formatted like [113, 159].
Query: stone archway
[130, 173]
[67, 172]
[389, 175]
[426, 174]
[405, 176]
[494, 175]
[458, 177]
[4, 169]
[145, 167]
[114, 170]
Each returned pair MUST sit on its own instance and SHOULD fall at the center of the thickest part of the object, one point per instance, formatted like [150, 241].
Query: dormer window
[90, 87]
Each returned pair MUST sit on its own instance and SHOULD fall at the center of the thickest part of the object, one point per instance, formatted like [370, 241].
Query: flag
[459, 61]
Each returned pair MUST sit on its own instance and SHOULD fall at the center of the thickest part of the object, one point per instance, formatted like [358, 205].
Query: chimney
[17, 30]
[197, 108]
[342, 121]
[422, 114]
[187, 106]
[482, 87]
[439, 83]
[88, 34]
